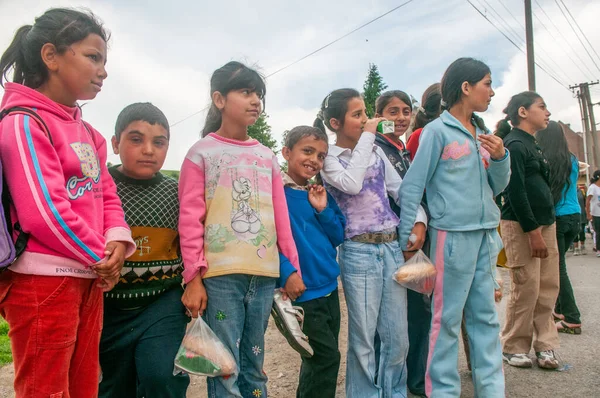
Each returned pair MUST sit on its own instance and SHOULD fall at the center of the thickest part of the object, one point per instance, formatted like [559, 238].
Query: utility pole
[529, 39]
[588, 122]
[592, 120]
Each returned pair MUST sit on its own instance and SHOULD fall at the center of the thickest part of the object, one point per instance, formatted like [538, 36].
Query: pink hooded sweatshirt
[62, 192]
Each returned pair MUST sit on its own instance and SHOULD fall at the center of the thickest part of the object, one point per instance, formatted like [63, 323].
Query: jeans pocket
[357, 258]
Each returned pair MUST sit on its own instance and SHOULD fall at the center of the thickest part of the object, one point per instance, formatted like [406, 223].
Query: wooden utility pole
[588, 122]
[529, 40]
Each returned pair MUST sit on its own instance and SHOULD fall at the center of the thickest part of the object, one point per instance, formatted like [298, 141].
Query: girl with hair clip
[529, 235]
[55, 165]
[564, 171]
[457, 154]
[396, 106]
[359, 176]
[429, 110]
[233, 223]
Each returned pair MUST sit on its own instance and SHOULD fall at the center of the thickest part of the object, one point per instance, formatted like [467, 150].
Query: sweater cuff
[326, 215]
[506, 154]
[286, 269]
[190, 272]
[121, 234]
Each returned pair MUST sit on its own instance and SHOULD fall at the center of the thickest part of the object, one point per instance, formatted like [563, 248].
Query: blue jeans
[238, 312]
[375, 303]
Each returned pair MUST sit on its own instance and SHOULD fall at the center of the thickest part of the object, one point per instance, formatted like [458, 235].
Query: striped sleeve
[36, 181]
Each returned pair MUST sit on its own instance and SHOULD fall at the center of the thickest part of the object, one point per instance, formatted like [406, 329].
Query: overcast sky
[165, 51]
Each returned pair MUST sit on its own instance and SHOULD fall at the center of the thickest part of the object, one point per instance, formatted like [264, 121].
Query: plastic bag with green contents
[202, 353]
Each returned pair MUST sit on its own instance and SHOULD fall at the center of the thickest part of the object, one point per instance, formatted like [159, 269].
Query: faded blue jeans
[238, 312]
[375, 303]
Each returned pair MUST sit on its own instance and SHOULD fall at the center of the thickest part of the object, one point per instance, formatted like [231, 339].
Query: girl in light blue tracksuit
[461, 167]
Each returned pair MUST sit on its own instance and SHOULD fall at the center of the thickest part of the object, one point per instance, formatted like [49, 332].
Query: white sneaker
[547, 360]
[288, 320]
[577, 252]
[517, 360]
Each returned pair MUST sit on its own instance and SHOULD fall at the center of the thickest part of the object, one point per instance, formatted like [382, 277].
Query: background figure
[429, 110]
[529, 235]
[579, 242]
[592, 206]
[396, 106]
[564, 171]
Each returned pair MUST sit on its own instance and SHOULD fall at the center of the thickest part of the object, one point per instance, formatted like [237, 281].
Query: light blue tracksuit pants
[465, 264]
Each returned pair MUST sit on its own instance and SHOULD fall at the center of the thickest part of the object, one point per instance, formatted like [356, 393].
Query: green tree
[261, 131]
[373, 88]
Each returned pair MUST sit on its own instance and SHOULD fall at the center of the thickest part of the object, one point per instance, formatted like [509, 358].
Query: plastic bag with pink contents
[417, 274]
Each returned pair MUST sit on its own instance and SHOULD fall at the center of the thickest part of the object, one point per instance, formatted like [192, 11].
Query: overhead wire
[311, 53]
[574, 31]
[515, 44]
[563, 37]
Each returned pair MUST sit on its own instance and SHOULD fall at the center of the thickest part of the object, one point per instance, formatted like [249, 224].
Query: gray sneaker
[517, 360]
[288, 320]
[547, 359]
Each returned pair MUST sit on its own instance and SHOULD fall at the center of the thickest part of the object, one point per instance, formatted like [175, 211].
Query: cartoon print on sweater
[245, 219]
[90, 169]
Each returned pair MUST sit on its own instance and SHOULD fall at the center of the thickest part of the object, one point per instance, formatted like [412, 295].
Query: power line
[564, 38]
[559, 43]
[312, 53]
[514, 44]
[543, 49]
[516, 35]
[583, 34]
[340, 38]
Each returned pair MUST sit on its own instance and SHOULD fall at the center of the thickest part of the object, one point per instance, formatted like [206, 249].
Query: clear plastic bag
[417, 274]
[202, 353]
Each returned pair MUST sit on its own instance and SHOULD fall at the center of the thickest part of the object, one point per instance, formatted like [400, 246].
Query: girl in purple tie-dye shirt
[360, 177]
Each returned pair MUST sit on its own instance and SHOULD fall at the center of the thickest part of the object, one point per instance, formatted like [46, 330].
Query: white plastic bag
[417, 274]
[202, 353]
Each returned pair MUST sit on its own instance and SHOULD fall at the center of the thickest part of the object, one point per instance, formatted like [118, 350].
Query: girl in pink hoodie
[64, 198]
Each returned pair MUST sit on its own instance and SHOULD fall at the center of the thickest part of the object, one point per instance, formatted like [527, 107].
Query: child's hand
[194, 297]
[371, 124]
[107, 284]
[111, 269]
[317, 196]
[416, 244]
[537, 243]
[294, 287]
[493, 144]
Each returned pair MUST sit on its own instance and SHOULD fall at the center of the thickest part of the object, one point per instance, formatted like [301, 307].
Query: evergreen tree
[373, 88]
[261, 131]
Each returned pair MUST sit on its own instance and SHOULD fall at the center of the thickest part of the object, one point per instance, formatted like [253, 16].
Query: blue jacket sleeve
[285, 270]
[333, 221]
[417, 177]
[499, 174]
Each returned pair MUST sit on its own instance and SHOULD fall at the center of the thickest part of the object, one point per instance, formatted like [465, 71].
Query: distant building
[574, 140]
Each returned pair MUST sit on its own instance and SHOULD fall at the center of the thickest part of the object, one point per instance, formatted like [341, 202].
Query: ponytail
[318, 123]
[14, 58]
[213, 120]
[479, 122]
[503, 128]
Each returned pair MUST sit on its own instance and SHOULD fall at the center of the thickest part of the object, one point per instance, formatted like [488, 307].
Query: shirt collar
[288, 182]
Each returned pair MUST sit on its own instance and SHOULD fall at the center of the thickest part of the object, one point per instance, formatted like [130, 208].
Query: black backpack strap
[22, 237]
[30, 112]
